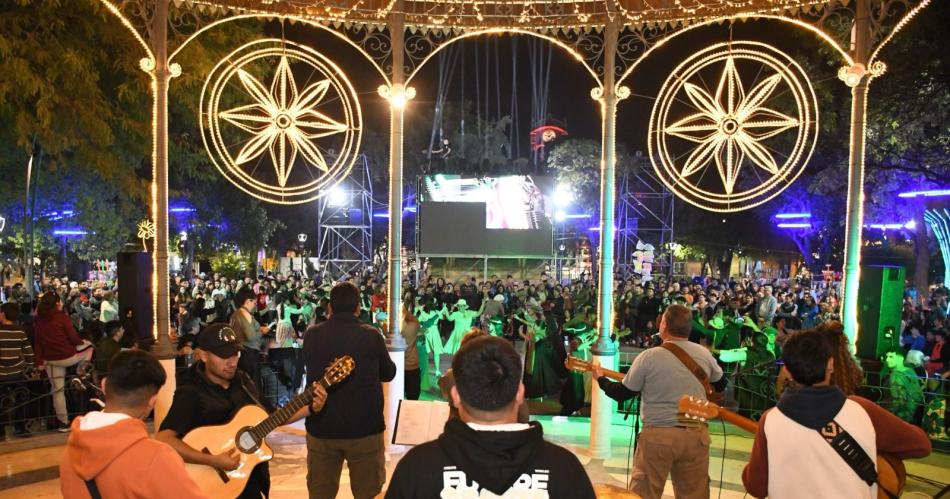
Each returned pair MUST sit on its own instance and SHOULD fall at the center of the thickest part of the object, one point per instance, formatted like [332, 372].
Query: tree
[82, 104]
[576, 162]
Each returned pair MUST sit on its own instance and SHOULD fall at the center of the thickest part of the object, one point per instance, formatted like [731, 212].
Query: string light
[282, 121]
[728, 127]
[939, 222]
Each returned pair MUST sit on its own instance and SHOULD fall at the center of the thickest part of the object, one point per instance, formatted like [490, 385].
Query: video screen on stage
[506, 216]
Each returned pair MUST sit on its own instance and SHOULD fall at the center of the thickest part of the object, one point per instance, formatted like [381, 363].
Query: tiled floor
[288, 469]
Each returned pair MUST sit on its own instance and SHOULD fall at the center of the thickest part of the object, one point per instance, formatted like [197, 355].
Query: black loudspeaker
[880, 300]
[135, 290]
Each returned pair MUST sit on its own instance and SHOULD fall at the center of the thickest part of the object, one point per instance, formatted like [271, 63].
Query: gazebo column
[856, 77]
[604, 351]
[162, 73]
[398, 95]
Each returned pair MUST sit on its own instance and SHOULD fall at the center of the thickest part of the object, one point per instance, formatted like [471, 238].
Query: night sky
[569, 101]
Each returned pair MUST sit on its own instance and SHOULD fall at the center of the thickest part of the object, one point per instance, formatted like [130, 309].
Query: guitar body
[221, 438]
[891, 474]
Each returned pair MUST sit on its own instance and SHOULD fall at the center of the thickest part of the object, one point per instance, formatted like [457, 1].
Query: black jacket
[494, 460]
[354, 407]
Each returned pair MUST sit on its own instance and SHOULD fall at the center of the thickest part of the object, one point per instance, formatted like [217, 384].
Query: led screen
[490, 216]
[514, 202]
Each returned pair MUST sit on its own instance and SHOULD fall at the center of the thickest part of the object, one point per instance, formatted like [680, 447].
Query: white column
[397, 95]
[393, 393]
[854, 218]
[605, 351]
[162, 74]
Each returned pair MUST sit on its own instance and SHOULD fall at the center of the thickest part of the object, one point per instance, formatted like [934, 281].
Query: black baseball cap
[219, 339]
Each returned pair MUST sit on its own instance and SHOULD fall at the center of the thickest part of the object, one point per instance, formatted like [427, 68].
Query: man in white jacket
[791, 457]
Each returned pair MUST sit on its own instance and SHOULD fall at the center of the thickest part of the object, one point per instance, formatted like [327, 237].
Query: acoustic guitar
[245, 432]
[891, 474]
[575, 364]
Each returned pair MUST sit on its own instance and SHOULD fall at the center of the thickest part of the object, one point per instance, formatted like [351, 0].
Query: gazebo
[607, 37]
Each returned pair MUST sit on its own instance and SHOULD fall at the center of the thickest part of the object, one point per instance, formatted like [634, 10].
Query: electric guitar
[246, 432]
[891, 474]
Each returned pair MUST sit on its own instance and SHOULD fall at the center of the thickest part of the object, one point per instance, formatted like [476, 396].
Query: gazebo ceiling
[523, 14]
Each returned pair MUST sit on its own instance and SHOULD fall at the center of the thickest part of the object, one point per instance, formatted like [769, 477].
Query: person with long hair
[58, 347]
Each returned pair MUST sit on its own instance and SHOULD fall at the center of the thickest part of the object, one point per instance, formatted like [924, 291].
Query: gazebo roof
[507, 14]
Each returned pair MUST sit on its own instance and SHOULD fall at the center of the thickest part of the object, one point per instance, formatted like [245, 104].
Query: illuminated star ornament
[719, 153]
[293, 134]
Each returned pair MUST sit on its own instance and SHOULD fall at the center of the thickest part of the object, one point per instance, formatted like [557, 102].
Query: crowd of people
[551, 318]
[253, 341]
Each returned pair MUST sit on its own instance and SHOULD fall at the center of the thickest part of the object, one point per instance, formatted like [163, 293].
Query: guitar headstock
[575, 364]
[339, 369]
[698, 409]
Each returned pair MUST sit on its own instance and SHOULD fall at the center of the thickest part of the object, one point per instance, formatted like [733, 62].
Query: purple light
[925, 194]
[792, 215]
[892, 226]
[577, 215]
[800, 225]
[181, 209]
[385, 214]
[69, 232]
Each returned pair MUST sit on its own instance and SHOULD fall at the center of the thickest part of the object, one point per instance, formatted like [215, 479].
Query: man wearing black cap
[210, 393]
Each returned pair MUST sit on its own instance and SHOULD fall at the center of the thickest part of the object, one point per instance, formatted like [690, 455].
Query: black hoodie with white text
[464, 462]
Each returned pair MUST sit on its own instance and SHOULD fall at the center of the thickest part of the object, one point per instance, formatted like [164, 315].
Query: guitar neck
[614, 375]
[280, 416]
[740, 421]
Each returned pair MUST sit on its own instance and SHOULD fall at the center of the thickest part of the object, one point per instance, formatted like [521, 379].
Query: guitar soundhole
[246, 442]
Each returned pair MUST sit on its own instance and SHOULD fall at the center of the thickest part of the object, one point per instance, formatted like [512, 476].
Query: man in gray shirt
[668, 444]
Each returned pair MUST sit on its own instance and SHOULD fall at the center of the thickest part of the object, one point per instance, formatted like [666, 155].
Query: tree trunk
[921, 254]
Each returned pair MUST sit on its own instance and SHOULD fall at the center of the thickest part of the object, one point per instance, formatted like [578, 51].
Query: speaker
[880, 300]
[134, 271]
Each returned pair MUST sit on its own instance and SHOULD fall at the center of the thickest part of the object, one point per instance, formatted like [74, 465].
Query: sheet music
[419, 421]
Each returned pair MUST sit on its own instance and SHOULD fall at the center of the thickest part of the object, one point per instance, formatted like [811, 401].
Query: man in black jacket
[487, 449]
[350, 427]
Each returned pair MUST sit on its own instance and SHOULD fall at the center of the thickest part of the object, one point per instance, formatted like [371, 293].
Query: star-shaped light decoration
[283, 121]
[730, 125]
[280, 121]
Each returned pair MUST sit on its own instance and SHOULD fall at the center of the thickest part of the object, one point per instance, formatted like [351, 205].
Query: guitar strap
[692, 366]
[93, 488]
[852, 453]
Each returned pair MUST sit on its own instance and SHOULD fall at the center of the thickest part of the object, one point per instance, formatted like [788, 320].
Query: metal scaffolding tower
[345, 223]
[644, 213]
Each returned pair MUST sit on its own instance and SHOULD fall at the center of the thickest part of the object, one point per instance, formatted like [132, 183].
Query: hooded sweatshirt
[116, 451]
[791, 459]
[507, 460]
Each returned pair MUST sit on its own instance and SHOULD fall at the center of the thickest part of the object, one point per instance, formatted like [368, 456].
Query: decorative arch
[308, 22]
[845, 56]
[496, 31]
[150, 56]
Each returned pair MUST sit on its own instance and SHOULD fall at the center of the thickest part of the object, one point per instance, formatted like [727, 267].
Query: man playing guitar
[818, 442]
[210, 393]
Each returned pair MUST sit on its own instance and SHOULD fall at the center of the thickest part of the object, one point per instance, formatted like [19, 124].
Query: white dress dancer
[429, 323]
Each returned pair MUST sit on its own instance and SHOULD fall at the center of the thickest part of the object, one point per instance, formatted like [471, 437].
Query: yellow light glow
[729, 126]
[398, 95]
[507, 31]
[852, 75]
[283, 121]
